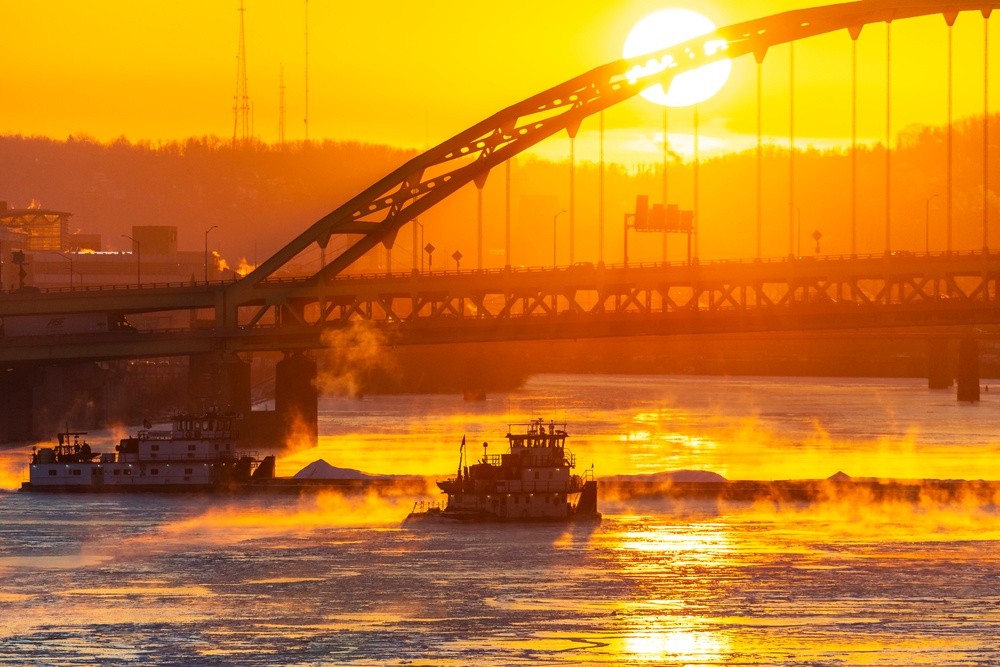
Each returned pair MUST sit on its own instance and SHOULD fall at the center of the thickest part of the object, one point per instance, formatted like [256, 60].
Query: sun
[667, 27]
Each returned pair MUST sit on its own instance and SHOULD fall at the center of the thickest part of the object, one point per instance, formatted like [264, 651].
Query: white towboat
[196, 453]
[533, 481]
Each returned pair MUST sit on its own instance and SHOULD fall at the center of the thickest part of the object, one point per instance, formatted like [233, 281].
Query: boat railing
[222, 457]
[188, 435]
[572, 485]
[421, 506]
[547, 460]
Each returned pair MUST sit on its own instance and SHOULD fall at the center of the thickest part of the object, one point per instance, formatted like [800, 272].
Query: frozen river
[330, 579]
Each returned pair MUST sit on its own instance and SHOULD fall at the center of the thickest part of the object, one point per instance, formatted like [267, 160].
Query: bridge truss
[420, 307]
[376, 215]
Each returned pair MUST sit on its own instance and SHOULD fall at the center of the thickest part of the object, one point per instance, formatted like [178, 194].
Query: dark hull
[452, 517]
[273, 486]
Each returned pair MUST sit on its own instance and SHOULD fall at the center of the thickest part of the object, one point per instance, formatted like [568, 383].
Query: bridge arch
[378, 213]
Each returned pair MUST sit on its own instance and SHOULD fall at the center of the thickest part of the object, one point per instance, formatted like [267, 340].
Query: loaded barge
[533, 481]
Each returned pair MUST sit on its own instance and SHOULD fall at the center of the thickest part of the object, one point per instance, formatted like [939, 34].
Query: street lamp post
[206, 250]
[418, 224]
[138, 259]
[798, 211]
[554, 219]
[927, 224]
[70, 258]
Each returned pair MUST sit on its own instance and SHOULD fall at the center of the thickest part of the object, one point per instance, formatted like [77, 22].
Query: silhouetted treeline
[262, 195]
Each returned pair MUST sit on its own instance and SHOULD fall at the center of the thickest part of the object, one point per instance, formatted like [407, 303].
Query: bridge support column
[219, 381]
[939, 375]
[968, 371]
[16, 408]
[295, 399]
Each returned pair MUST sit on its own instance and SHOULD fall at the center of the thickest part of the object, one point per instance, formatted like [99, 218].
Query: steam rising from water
[12, 473]
[911, 511]
[256, 519]
[350, 353]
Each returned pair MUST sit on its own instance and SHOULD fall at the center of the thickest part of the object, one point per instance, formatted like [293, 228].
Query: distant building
[156, 239]
[9, 242]
[84, 242]
[45, 229]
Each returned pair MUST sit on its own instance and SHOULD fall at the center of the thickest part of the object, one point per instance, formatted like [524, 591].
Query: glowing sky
[413, 74]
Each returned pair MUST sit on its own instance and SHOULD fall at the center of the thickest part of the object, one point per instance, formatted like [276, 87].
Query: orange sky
[410, 74]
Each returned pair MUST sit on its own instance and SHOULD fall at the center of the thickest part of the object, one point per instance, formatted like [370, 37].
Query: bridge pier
[16, 413]
[295, 400]
[968, 370]
[939, 374]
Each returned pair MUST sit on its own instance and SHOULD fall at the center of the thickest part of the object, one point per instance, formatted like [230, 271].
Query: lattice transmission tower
[306, 120]
[281, 103]
[241, 106]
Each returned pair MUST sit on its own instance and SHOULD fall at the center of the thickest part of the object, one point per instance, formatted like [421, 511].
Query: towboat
[195, 453]
[533, 481]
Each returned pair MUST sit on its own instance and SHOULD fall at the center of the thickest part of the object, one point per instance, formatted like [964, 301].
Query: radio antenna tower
[307, 71]
[241, 107]
[281, 103]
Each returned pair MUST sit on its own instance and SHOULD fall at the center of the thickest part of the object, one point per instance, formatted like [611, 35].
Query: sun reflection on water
[669, 646]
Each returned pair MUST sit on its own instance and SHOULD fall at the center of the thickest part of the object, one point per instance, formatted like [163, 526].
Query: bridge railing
[131, 286]
[521, 270]
[527, 270]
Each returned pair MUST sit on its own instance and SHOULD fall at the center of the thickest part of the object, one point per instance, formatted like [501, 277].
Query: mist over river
[335, 579]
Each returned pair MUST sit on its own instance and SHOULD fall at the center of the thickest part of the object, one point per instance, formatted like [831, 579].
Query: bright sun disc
[668, 27]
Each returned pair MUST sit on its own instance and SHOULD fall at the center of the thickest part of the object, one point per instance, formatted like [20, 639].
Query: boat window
[156, 448]
[188, 471]
[118, 472]
[76, 472]
[52, 473]
[191, 448]
[128, 471]
[154, 471]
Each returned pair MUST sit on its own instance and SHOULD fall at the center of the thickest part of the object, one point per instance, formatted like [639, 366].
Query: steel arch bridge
[376, 215]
